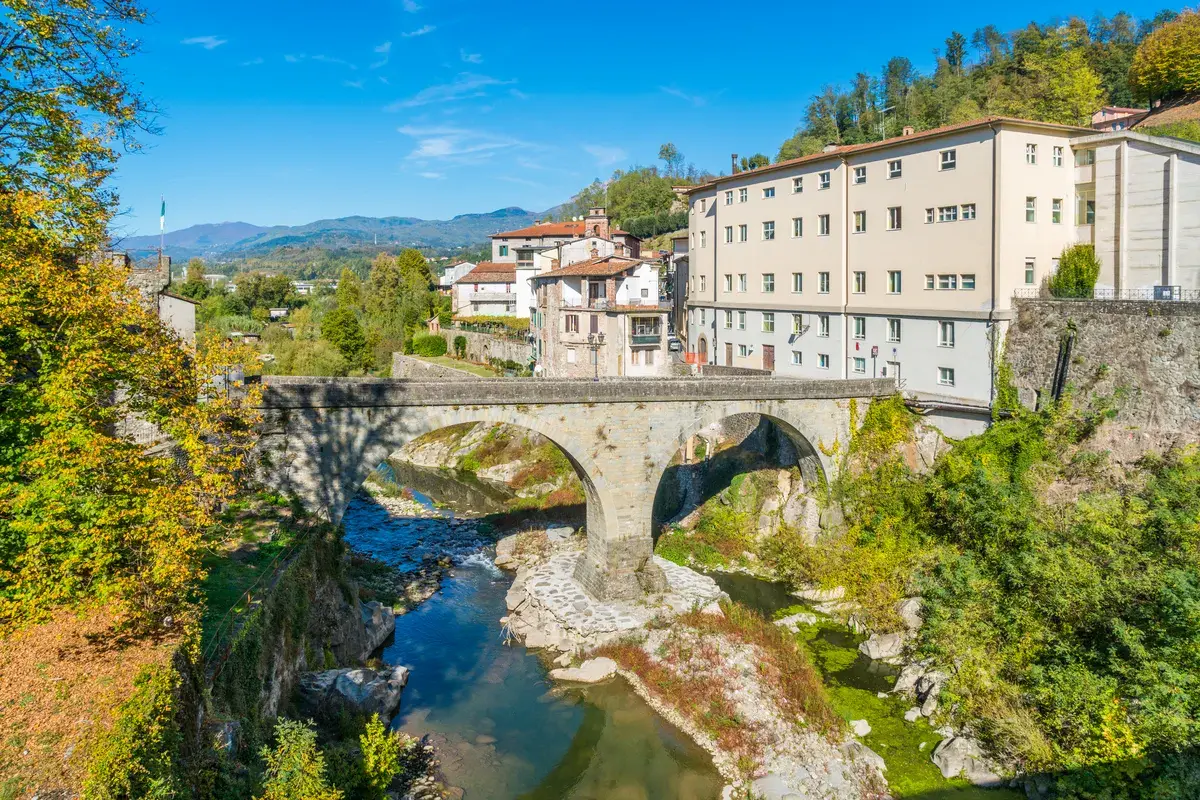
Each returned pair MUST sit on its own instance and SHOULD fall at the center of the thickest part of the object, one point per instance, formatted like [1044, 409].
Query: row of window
[859, 325]
[859, 282]
[858, 364]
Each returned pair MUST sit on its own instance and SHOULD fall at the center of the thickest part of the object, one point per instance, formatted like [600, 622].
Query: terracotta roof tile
[490, 272]
[570, 228]
[602, 267]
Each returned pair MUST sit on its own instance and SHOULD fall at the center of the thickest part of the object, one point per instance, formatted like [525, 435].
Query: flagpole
[162, 224]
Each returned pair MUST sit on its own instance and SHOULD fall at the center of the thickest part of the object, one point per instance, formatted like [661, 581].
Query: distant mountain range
[226, 240]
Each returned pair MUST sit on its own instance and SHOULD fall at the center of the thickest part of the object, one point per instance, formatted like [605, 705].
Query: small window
[1031, 153]
[949, 159]
[741, 282]
[703, 205]
[768, 282]
[822, 283]
[860, 366]
[945, 334]
[945, 376]
[823, 180]
[797, 185]
[823, 325]
[741, 320]
[823, 225]
[768, 231]
[967, 282]
[947, 213]
[947, 282]
[797, 227]
[860, 222]
[860, 327]
[929, 281]
[743, 195]
[928, 215]
[968, 211]
[768, 322]
[797, 282]
[1056, 211]
[704, 238]
[797, 359]
[743, 351]
[1031, 209]
[894, 169]
[570, 355]
[503, 251]
[728, 283]
[894, 218]
[860, 174]
[1029, 270]
[728, 234]
[768, 192]
[729, 198]
[702, 288]
[860, 282]
[729, 320]
[572, 323]
[822, 361]
[893, 330]
[894, 281]
[743, 233]
[797, 323]
[1085, 158]
[1056, 156]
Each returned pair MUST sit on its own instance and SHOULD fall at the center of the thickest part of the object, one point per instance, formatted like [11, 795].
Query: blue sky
[288, 112]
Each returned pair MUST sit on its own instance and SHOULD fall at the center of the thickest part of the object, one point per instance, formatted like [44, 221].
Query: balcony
[492, 297]
[646, 339]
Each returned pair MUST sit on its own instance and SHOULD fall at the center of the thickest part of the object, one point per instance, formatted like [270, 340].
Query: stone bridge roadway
[323, 436]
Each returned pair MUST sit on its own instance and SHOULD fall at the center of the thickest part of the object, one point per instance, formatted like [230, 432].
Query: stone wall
[718, 370]
[408, 367]
[483, 346]
[1146, 353]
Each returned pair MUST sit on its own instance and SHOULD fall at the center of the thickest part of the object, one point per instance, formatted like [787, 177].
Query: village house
[488, 290]
[519, 246]
[452, 273]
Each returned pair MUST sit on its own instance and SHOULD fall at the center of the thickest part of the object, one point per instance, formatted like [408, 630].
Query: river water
[501, 728]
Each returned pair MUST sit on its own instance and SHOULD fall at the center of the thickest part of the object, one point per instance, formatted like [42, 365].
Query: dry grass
[60, 684]
[531, 544]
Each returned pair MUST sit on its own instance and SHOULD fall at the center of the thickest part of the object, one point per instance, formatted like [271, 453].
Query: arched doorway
[702, 350]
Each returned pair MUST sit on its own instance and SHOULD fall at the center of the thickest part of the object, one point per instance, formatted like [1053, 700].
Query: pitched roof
[848, 149]
[174, 296]
[490, 272]
[601, 267]
[1182, 110]
[570, 228]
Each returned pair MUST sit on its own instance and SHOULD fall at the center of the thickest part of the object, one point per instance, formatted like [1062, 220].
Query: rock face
[959, 755]
[380, 622]
[593, 670]
[883, 646]
[365, 691]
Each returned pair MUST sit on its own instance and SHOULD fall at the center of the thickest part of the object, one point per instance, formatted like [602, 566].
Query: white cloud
[421, 31]
[411, 6]
[467, 84]
[694, 99]
[605, 154]
[517, 93]
[254, 62]
[384, 50]
[207, 42]
[353, 84]
[292, 59]
[456, 145]
[433, 176]
[470, 58]
[331, 60]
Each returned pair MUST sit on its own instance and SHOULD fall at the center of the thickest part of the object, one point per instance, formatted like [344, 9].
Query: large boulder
[959, 755]
[860, 753]
[883, 646]
[365, 691]
[906, 681]
[380, 622]
[593, 670]
[910, 611]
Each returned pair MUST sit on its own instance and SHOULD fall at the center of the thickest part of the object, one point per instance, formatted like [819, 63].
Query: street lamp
[595, 342]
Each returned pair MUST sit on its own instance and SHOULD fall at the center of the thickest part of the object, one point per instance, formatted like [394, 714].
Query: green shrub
[429, 345]
[1078, 269]
[295, 767]
[381, 752]
[460, 346]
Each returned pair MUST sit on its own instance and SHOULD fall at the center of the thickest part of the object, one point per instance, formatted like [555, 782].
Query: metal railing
[646, 338]
[1162, 294]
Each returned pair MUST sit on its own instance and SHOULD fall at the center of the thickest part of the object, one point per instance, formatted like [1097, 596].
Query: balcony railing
[647, 338]
[492, 297]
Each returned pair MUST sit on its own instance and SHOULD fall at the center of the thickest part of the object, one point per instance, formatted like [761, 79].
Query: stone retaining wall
[408, 367]
[483, 346]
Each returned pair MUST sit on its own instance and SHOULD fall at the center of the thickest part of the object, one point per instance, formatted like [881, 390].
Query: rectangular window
[929, 281]
[704, 238]
[741, 320]
[894, 169]
[860, 327]
[968, 211]
[797, 227]
[729, 198]
[894, 218]
[797, 323]
[823, 180]
[570, 355]
[768, 279]
[743, 233]
[503, 251]
[822, 283]
[741, 282]
[743, 195]
[1031, 209]
[894, 281]
[743, 351]
[860, 365]
[649, 358]
[1029, 270]
[1085, 158]
[860, 282]
[728, 283]
[768, 324]
[702, 282]
[947, 281]
[1031, 154]
[572, 323]
[594, 322]
[967, 282]
[729, 320]
[893, 330]
[945, 334]
[797, 185]
[635, 358]
[945, 376]
[703, 206]
[797, 282]
[797, 359]
[860, 174]
[1085, 207]
[947, 213]
[928, 215]
[768, 231]
[1056, 210]
[768, 192]
[823, 325]
[728, 234]
[1057, 155]
[823, 225]
[822, 361]
[949, 159]
[860, 222]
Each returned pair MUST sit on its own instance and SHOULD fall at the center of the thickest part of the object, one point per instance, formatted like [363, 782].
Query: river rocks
[593, 670]
[379, 621]
[913, 714]
[959, 755]
[815, 595]
[883, 646]
[906, 681]
[793, 622]
[773, 786]
[365, 691]
[860, 753]
[910, 612]
[860, 727]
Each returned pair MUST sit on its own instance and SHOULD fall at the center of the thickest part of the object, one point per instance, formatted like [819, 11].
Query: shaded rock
[794, 621]
[593, 670]
[930, 684]
[959, 755]
[906, 681]
[365, 691]
[913, 714]
[882, 646]
[380, 622]
[929, 706]
[910, 611]
[860, 753]
[559, 533]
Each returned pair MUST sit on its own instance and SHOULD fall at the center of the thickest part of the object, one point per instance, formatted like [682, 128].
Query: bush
[429, 345]
[1078, 269]
[460, 346]
[296, 768]
[381, 752]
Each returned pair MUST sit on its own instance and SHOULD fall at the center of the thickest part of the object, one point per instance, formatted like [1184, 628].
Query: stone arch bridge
[323, 436]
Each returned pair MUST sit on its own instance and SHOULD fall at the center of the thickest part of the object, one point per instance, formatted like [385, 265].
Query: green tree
[1167, 62]
[672, 159]
[413, 265]
[340, 327]
[259, 290]
[381, 752]
[1078, 269]
[638, 192]
[956, 51]
[194, 285]
[754, 162]
[349, 291]
[295, 766]
[1053, 82]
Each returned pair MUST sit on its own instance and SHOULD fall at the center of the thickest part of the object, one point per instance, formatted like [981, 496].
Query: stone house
[519, 246]
[152, 279]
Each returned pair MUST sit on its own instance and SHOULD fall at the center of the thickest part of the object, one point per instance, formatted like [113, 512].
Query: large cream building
[897, 258]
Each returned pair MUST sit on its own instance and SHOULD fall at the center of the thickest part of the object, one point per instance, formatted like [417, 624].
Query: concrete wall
[408, 367]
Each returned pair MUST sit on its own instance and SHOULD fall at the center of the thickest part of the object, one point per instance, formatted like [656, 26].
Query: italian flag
[162, 216]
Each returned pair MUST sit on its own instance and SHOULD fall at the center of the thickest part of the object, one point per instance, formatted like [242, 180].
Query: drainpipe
[715, 327]
[993, 351]
[846, 334]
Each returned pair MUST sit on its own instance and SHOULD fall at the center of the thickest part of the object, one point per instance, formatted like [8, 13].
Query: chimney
[537, 222]
[733, 160]
[596, 223]
[829, 148]
[908, 130]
